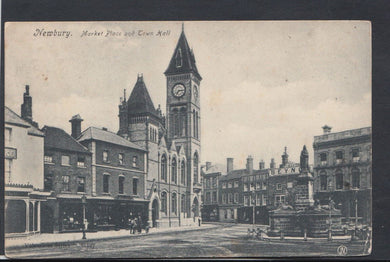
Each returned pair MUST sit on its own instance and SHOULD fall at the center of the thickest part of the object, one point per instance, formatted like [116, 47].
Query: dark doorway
[154, 212]
[46, 219]
[15, 216]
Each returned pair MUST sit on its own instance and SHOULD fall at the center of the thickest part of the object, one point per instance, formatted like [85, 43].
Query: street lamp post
[84, 201]
[253, 203]
[330, 218]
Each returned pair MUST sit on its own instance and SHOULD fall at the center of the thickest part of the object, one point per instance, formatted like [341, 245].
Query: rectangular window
[106, 180]
[48, 182]
[246, 188]
[80, 161]
[65, 160]
[208, 200]
[323, 182]
[258, 199]
[278, 186]
[48, 159]
[230, 185]
[135, 161]
[235, 198]
[339, 181]
[279, 199]
[339, 157]
[264, 186]
[223, 198]
[65, 183]
[230, 198]
[289, 184]
[214, 182]
[80, 184]
[135, 186]
[7, 134]
[323, 159]
[120, 157]
[224, 185]
[258, 185]
[355, 155]
[246, 201]
[265, 199]
[252, 186]
[214, 197]
[236, 184]
[121, 184]
[105, 156]
[207, 183]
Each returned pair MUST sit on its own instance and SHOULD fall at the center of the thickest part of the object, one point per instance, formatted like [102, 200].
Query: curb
[75, 242]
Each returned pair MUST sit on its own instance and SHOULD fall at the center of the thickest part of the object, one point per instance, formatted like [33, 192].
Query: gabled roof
[10, 117]
[94, 133]
[139, 101]
[234, 174]
[187, 57]
[57, 138]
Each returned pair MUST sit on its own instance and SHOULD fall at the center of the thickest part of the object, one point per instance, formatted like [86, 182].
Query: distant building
[68, 177]
[342, 171]
[23, 166]
[211, 175]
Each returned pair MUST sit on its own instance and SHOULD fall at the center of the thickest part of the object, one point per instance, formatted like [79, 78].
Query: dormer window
[179, 60]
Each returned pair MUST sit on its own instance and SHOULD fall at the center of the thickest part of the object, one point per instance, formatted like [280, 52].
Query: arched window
[174, 171]
[183, 121]
[196, 162]
[197, 125]
[164, 168]
[183, 203]
[339, 179]
[323, 181]
[174, 203]
[183, 172]
[164, 202]
[355, 178]
[175, 125]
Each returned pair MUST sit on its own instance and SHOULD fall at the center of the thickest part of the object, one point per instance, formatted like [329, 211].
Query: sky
[266, 84]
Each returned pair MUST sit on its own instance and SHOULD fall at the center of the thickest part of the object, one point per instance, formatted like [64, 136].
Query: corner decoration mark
[342, 250]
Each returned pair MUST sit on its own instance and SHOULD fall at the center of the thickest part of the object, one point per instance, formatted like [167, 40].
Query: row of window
[174, 208]
[211, 182]
[179, 122]
[121, 159]
[230, 184]
[255, 186]
[65, 160]
[164, 170]
[121, 183]
[153, 134]
[65, 183]
[255, 177]
[261, 200]
[340, 158]
[211, 197]
[326, 183]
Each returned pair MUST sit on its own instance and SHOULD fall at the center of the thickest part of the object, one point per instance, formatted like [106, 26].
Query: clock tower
[183, 113]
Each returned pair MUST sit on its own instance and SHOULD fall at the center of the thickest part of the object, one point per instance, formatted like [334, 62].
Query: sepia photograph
[188, 139]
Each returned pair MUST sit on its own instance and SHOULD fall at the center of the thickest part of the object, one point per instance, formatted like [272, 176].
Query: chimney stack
[26, 108]
[261, 165]
[249, 164]
[208, 165]
[327, 129]
[76, 125]
[229, 164]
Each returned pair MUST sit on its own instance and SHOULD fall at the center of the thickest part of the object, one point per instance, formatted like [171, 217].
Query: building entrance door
[155, 212]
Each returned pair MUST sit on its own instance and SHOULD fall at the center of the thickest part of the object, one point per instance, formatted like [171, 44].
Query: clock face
[196, 93]
[179, 90]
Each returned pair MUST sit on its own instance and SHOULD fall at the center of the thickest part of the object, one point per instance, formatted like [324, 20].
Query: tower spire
[182, 27]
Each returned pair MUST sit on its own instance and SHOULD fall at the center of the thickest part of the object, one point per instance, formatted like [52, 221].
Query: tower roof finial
[182, 27]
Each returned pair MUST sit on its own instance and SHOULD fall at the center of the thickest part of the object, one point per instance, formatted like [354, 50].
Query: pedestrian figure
[135, 226]
[199, 221]
[131, 224]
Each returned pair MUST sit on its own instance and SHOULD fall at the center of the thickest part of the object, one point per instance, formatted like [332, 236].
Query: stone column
[39, 216]
[27, 215]
[33, 216]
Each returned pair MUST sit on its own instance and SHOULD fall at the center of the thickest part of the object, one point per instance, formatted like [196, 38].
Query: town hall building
[172, 185]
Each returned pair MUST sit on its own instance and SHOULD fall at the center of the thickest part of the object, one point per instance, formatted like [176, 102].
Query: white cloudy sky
[265, 85]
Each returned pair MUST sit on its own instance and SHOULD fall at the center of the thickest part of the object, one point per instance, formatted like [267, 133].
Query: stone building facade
[342, 171]
[23, 171]
[173, 185]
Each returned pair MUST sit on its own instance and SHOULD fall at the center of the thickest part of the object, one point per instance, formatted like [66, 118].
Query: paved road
[224, 241]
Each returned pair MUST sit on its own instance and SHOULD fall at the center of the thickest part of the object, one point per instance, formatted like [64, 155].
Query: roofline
[68, 150]
[85, 148]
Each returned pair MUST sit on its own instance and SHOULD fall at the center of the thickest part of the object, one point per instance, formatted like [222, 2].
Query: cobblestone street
[227, 240]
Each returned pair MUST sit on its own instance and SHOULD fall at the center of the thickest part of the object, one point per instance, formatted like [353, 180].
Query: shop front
[210, 213]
